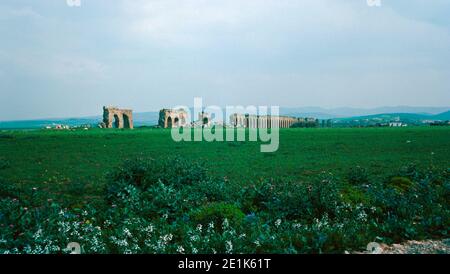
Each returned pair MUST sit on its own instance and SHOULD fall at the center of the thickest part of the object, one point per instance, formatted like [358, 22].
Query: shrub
[181, 172]
[412, 172]
[306, 200]
[401, 184]
[216, 213]
[357, 176]
[7, 189]
[256, 197]
[4, 164]
[150, 210]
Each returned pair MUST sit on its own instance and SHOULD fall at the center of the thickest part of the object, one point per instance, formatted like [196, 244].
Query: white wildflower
[229, 247]
[278, 222]
[180, 249]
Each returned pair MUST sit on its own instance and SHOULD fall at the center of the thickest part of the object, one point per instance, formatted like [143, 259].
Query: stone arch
[116, 123]
[117, 118]
[178, 118]
[126, 121]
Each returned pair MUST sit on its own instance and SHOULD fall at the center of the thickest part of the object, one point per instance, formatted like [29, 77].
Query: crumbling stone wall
[114, 117]
[173, 118]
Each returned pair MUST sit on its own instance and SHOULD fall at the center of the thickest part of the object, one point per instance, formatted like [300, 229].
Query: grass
[53, 191]
[73, 164]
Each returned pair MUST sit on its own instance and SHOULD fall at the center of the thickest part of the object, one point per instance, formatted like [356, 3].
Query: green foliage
[4, 164]
[358, 176]
[222, 197]
[38, 156]
[216, 213]
[149, 213]
[401, 184]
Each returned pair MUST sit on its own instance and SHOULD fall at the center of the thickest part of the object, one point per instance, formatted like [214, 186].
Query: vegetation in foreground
[174, 206]
[70, 165]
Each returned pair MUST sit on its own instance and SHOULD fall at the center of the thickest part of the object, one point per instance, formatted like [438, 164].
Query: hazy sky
[60, 61]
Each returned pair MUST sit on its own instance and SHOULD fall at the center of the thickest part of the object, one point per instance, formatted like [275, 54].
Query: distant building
[397, 124]
[173, 118]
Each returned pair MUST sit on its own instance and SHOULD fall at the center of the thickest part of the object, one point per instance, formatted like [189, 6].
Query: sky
[61, 60]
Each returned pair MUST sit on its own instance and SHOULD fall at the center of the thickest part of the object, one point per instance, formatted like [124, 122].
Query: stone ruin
[173, 118]
[176, 118]
[114, 117]
[266, 121]
[204, 119]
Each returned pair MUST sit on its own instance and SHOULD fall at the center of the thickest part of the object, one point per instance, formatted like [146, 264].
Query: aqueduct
[173, 118]
[266, 121]
[114, 117]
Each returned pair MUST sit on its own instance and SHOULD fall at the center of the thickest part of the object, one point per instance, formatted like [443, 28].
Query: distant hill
[443, 116]
[32, 124]
[140, 119]
[324, 113]
[405, 117]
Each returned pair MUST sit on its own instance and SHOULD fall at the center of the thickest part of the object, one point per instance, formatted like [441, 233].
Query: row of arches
[253, 121]
[173, 122]
[117, 118]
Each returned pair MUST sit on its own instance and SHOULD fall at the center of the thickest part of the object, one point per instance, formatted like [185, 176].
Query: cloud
[200, 22]
[7, 13]
[285, 52]
[71, 66]
[275, 25]
[56, 67]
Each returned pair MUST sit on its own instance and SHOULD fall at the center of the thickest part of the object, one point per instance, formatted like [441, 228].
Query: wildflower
[167, 237]
[127, 233]
[180, 249]
[362, 216]
[211, 225]
[199, 227]
[194, 238]
[229, 247]
[149, 229]
[257, 243]
[278, 222]
[194, 250]
[225, 224]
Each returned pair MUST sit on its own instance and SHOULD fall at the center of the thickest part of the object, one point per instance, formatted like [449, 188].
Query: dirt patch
[411, 247]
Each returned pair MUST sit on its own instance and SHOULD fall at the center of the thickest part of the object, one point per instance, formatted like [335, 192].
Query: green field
[137, 191]
[61, 160]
